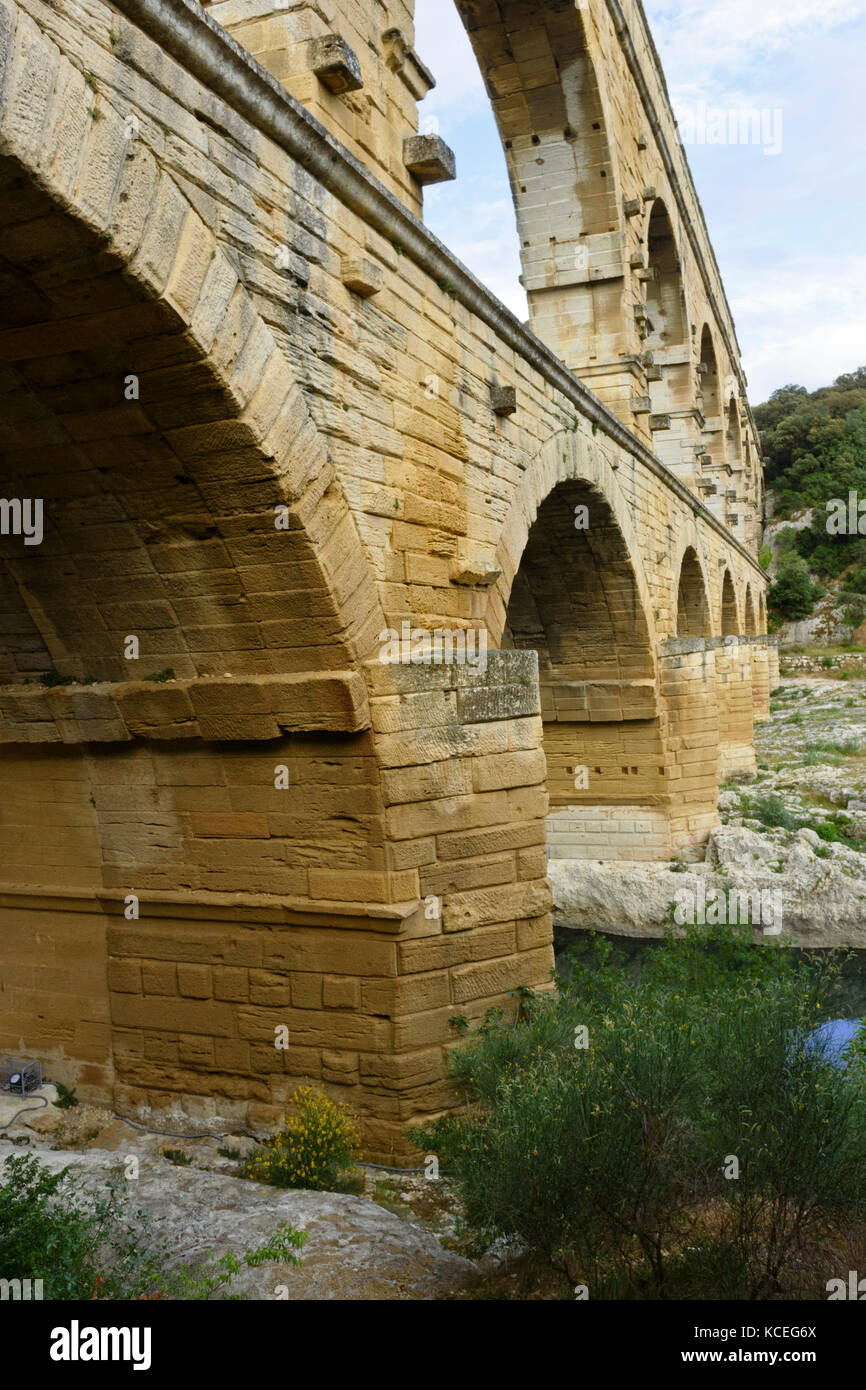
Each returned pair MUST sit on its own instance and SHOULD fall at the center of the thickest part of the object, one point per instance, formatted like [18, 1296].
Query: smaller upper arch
[751, 621]
[729, 625]
[693, 607]
[666, 308]
[733, 434]
[711, 388]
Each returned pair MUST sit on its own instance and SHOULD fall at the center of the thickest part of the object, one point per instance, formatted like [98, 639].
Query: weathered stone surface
[355, 1250]
[822, 899]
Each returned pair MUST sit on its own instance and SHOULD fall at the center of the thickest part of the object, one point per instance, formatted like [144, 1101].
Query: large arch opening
[158, 473]
[576, 602]
[693, 609]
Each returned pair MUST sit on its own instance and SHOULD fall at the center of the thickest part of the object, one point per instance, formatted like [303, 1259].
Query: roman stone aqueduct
[271, 418]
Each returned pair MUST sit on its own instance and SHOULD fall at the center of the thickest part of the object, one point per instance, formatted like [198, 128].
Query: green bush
[86, 1245]
[771, 811]
[793, 595]
[601, 1131]
[316, 1148]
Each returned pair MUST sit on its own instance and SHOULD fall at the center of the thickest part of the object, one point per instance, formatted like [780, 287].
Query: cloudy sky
[789, 228]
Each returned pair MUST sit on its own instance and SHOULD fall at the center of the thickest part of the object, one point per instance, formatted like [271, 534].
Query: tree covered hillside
[815, 447]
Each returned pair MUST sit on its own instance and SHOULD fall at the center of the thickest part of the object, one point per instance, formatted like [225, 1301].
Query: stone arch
[575, 598]
[666, 337]
[710, 405]
[711, 385]
[751, 623]
[573, 591]
[550, 108]
[733, 434]
[729, 618]
[151, 406]
[566, 457]
[666, 309]
[693, 609]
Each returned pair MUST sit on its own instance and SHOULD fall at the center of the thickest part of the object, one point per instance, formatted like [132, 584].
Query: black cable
[26, 1109]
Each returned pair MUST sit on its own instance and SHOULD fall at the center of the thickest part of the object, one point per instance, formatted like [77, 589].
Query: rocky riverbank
[795, 835]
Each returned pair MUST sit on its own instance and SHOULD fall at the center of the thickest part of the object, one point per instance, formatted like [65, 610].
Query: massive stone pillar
[761, 685]
[736, 708]
[687, 674]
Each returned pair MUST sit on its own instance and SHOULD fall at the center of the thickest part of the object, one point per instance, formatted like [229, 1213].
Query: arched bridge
[334, 598]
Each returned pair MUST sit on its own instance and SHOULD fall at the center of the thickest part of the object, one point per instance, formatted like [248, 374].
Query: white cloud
[443, 45]
[801, 322]
[712, 43]
[483, 237]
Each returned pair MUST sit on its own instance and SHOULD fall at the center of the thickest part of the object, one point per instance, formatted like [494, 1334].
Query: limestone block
[362, 275]
[335, 64]
[429, 159]
[503, 400]
[475, 572]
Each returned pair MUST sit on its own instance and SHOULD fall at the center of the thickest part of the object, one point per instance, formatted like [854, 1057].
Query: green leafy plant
[598, 1132]
[94, 1245]
[177, 1157]
[316, 1147]
[66, 1097]
[53, 678]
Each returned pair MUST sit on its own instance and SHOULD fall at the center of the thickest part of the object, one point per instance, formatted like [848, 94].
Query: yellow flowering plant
[317, 1146]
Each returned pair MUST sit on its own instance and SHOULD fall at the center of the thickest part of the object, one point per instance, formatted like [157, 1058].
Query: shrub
[771, 811]
[600, 1132]
[793, 595]
[66, 1097]
[86, 1245]
[316, 1148]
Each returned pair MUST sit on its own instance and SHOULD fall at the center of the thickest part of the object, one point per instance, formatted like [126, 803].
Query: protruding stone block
[362, 275]
[429, 159]
[402, 59]
[503, 399]
[632, 207]
[335, 64]
[475, 572]
[660, 422]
